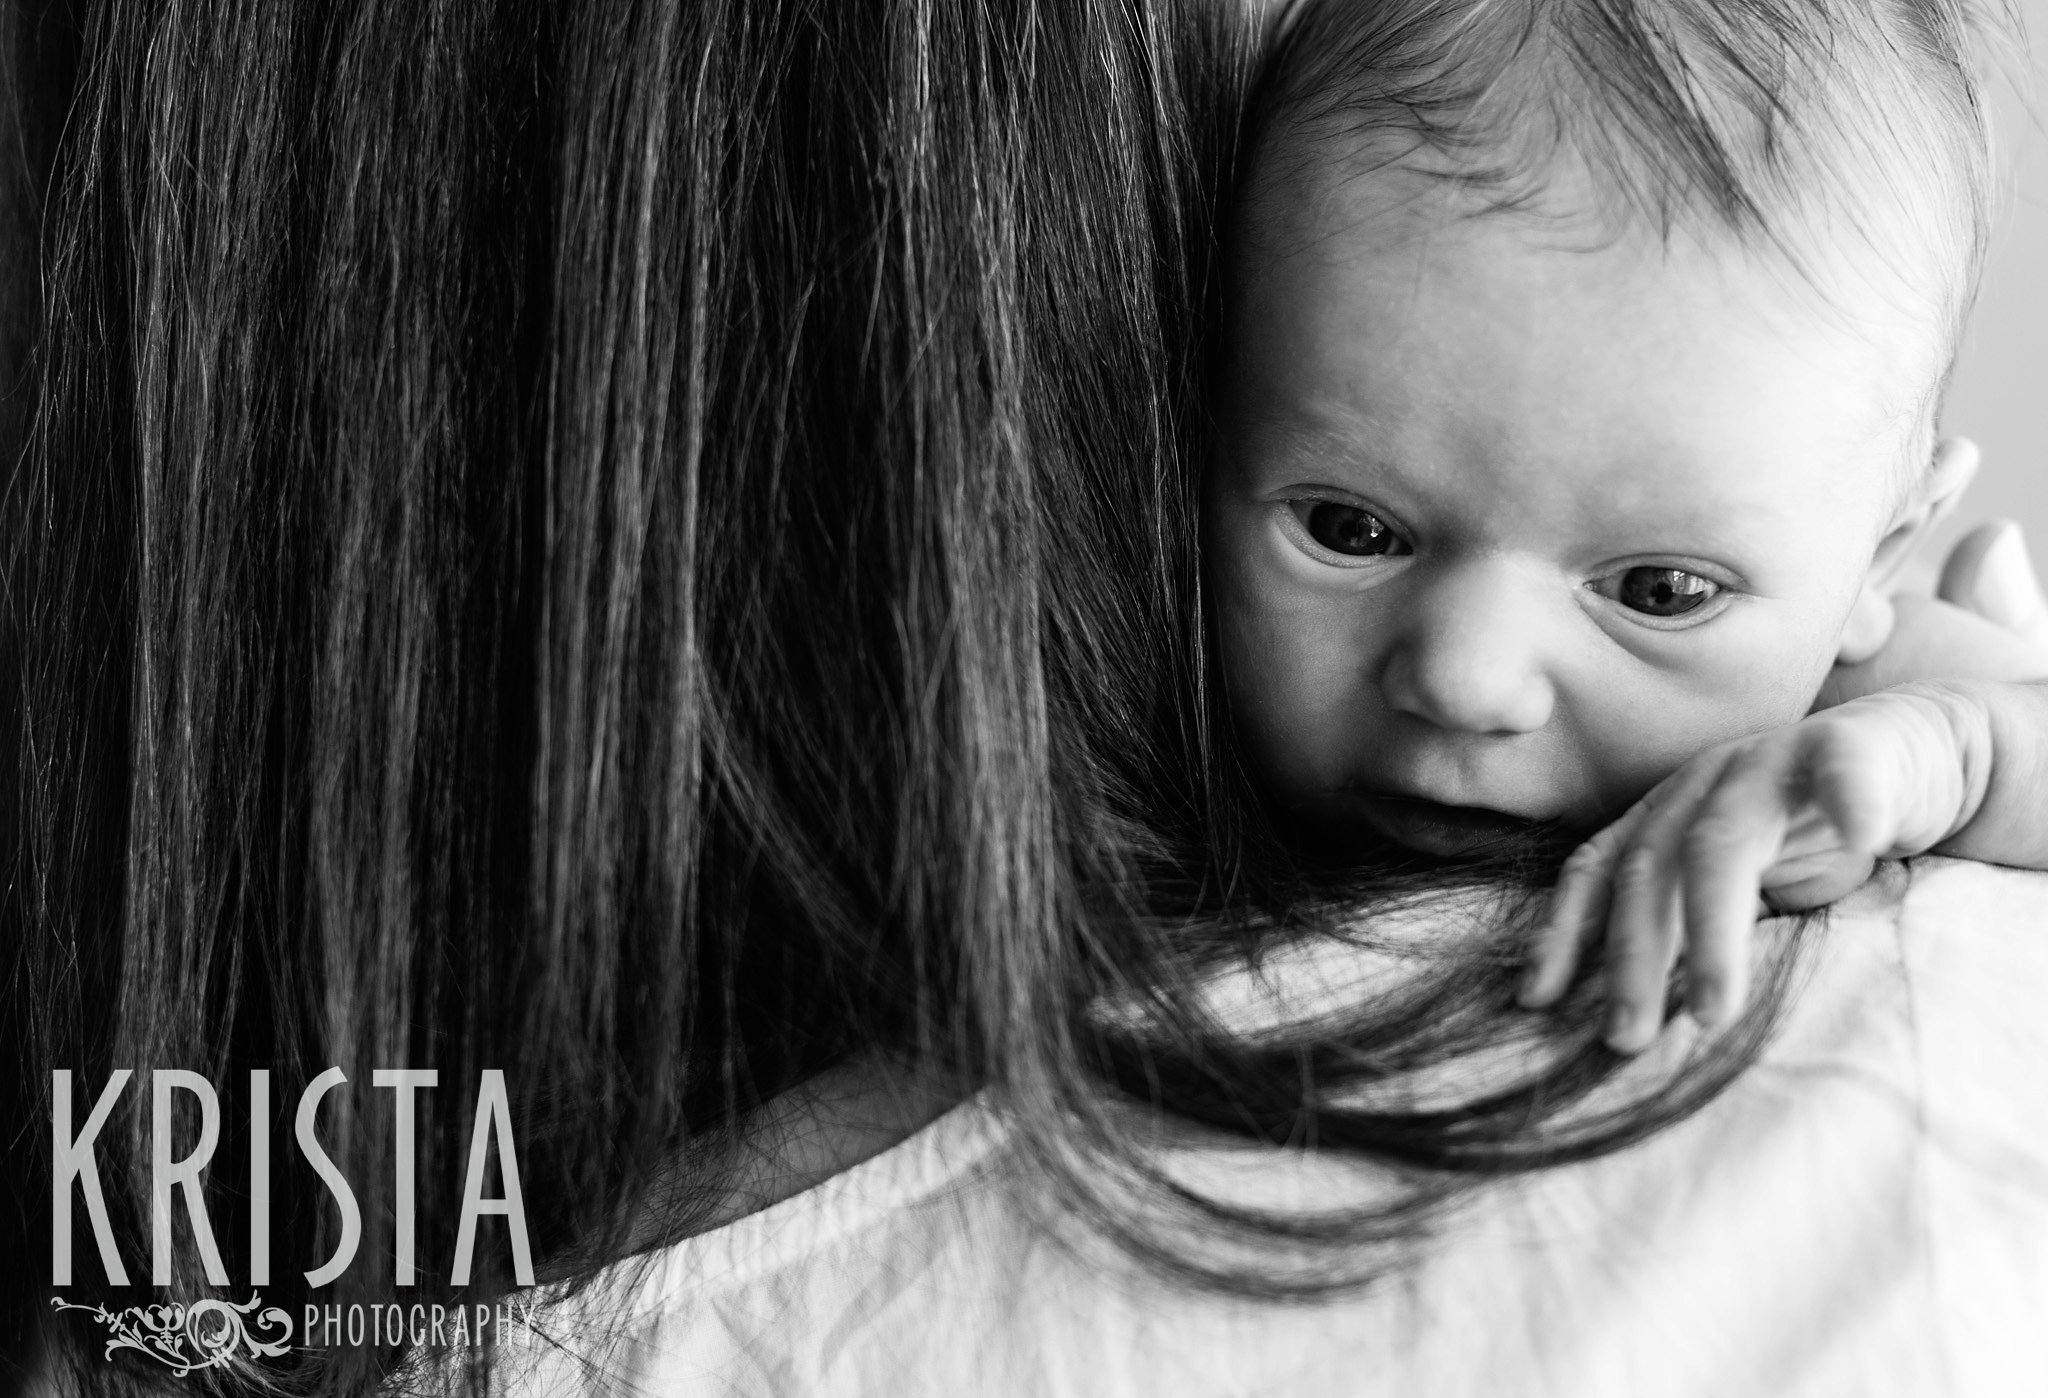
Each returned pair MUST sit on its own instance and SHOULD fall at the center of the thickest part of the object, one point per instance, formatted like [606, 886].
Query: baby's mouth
[1430, 827]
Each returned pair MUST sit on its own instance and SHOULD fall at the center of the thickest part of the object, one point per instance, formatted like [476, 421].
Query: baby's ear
[1929, 501]
[1932, 498]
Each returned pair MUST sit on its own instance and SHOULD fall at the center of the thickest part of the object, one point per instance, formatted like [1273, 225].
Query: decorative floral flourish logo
[203, 1335]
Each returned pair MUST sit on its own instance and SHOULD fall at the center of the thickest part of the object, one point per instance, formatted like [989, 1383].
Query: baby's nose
[1472, 655]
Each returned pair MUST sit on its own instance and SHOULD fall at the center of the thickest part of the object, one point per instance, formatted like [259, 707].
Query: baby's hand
[1800, 813]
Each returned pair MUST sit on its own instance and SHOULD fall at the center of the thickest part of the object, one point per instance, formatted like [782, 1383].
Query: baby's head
[1584, 364]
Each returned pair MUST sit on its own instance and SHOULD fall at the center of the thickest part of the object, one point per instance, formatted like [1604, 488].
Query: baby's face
[1517, 524]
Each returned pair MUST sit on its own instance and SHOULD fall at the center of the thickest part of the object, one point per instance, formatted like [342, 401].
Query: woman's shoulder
[1973, 941]
[821, 1292]
[1980, 903]
[1865, 1211]
[1971, 945]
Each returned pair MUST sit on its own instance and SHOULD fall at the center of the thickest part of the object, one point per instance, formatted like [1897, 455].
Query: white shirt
[1864, 1212]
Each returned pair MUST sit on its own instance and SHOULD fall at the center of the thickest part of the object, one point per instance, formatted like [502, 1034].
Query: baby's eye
[1663, 591]
[1347, 529]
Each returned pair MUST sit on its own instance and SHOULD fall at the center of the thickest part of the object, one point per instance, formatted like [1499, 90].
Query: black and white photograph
[994, 698]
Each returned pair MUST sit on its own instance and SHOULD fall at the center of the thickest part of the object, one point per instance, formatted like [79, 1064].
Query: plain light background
[1999, 395]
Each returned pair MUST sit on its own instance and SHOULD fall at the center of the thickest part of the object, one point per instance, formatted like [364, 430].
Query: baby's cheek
[1291, 695]
[1278, 725]
[1259, 650]
[1644, 737]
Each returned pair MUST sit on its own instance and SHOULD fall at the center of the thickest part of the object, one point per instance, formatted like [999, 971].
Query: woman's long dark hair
[653, 547]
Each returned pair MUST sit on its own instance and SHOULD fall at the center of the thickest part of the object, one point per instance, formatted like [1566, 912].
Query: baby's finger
[1733, 839]
[1578, 910]
[1644, 926]
[1642, 946]
[1850, 815]
[1814, 881]
[1845, 780]
[1577, 913]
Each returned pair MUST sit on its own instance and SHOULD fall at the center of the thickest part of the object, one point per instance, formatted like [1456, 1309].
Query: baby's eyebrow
[1350, 440]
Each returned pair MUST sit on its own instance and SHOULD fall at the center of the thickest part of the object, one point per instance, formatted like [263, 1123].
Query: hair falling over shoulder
[653, 546]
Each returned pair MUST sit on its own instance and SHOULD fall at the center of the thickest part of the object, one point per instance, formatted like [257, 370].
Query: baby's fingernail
[1709, 1006]
[1624, 1029]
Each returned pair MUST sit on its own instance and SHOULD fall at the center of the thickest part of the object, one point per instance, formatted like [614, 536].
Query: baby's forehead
[1328, 184]
[1387, 320]
[1338, 202]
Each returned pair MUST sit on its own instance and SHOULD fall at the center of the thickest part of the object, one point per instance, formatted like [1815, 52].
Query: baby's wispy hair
[1750, 116]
